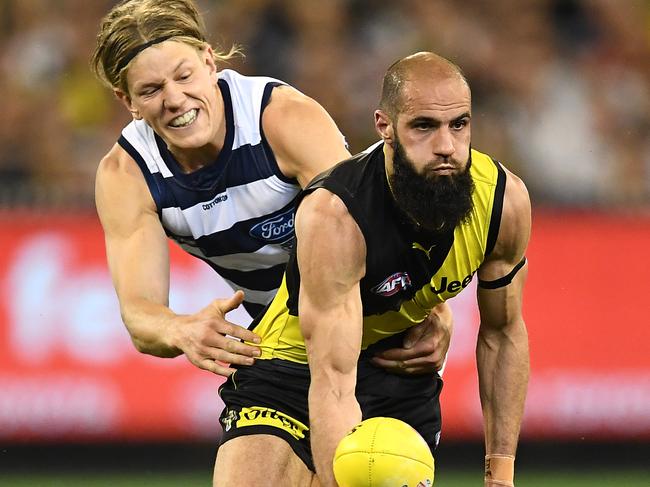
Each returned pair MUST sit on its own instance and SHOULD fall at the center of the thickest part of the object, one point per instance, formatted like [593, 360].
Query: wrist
[499, 470]
[173, 333]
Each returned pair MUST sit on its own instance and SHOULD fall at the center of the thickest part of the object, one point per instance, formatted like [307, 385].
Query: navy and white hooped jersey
[236, 214]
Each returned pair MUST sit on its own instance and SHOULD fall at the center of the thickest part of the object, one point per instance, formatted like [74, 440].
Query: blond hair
[134, 24]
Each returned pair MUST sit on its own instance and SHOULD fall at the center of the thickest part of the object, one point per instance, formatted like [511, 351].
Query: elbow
[139, 345]
[148, 348]
[147, 341]
[137, 341]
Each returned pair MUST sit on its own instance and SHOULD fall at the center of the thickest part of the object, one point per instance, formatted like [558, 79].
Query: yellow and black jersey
[408, 269]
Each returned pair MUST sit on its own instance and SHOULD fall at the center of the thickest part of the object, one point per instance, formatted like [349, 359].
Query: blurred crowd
[561, 88]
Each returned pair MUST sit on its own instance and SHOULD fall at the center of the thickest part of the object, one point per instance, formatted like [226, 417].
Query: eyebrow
[156, 83]
[464, 115]
[425, 119]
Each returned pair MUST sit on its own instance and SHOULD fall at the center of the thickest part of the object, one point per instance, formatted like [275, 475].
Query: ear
[208, 59]
[384, 127]
[126, 101]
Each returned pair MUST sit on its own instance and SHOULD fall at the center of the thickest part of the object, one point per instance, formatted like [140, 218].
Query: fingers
[231, 358]
[216, 368]
[425, 348]
[223, 306]
[415, 334]
[211, 342]
[424, 365]
[217, 359]
[216, 312]
[421, 349]
[234, 301]
[231, 347]
[240, 332]
[395, 354]
[225, 348]
[423, 358]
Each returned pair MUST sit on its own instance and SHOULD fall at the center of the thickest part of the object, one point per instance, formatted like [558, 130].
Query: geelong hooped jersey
[236, 214]
[408, 269]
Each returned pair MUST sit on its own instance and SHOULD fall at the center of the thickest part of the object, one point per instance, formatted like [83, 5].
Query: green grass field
[622, 478]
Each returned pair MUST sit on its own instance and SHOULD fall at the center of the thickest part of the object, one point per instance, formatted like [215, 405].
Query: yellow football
[383, 452]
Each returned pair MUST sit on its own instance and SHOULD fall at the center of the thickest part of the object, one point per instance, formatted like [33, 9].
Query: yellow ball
[383, 452]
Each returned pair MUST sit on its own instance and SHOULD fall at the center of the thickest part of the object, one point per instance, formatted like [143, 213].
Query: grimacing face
[172, 86]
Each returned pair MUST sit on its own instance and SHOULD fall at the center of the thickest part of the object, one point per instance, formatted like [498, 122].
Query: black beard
[436, 202]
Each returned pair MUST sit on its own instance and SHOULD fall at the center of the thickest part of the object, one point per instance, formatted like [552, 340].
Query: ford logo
[276, 229]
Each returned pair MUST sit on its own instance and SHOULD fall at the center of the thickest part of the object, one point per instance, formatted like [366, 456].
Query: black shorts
[270, 397]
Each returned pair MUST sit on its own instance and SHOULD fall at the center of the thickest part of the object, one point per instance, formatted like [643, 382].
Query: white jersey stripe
[214, 216]
[141, 137]
[264, 258]
[257, 297]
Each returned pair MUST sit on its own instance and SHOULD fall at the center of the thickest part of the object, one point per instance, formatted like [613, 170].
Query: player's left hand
[425, 345]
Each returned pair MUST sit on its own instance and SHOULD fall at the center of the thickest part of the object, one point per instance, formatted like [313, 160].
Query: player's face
[429, 171]
[172, 86]
[434, 125]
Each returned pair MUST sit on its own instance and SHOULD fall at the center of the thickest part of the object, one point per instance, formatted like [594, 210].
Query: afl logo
[393, 284]
[276, 229]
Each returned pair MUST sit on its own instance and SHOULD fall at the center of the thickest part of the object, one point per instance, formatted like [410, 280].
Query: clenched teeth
[185, 119]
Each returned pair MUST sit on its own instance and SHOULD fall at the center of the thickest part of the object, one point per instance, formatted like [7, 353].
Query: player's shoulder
[516, 199]
[117, 161]
[325, 226]
[515, 225]
[288, 114]
[289, 104]
[117, 171]
[236, 80]
[322, 205]
[120, 189]
[302, 135]
[323, 211]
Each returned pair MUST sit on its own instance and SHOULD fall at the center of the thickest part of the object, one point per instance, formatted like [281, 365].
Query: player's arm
[304, 138]
[138, 259]
[331, 257]
[502, 347]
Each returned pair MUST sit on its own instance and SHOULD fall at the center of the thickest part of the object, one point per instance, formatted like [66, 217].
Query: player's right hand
[211, 342]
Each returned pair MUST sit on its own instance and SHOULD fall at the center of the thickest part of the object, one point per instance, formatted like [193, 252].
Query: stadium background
[561, 93]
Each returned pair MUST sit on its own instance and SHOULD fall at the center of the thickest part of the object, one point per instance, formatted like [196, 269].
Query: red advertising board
[68, 370]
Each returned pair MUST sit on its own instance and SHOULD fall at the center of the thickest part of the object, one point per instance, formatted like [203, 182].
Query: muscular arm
[502, 348]
[138, 259]
[304, 138]
[331, 258]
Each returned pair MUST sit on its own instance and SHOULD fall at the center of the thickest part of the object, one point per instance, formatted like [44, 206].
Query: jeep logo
[453, 286]
[276, 229]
